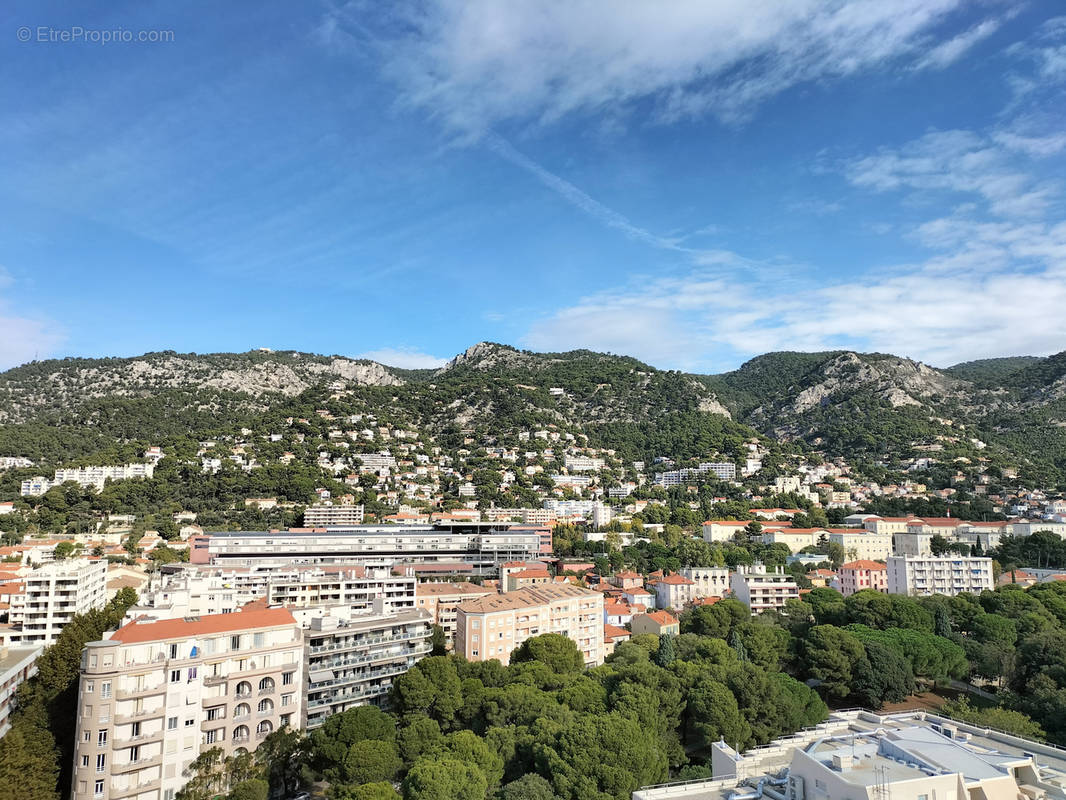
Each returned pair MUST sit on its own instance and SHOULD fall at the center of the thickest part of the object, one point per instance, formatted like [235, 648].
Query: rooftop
[136, 632]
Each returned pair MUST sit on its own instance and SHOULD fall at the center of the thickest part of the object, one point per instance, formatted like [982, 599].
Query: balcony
[239, 740]
[133, 716]
[125, 741]
[214, 680]
[144, 691]
[140, 763]
[270, 690]
[133, 791]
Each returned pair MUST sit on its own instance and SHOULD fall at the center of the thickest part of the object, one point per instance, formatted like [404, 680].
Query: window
[87, 711]
[286, 699]
[88, 687]
[218, 712]
[287, 678]
[190, 722]
[168, 794]
[105, 689]
[172, 723]
[173, 651]
[175, 676]
[98, 789]
[135, 754]
[259, 639]
[265, 706]
[101, 762]
[101, 738]
[85, 761]
[192, 674]
[86, 736]
[213, 736]
[235, 642]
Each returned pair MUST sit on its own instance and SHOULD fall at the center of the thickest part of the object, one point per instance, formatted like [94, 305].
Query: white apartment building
[722, 470]
[54, 594]
[794, 538]
[352, 659]
[17, 665]
[583, 463]
[321, 515]
[441, 601]
[761, 588]
[377, 463]
[707, 581]
[95, 477]
[949, 575]
[192, 590]
[154, 695]
[491, 627]
[14, 462]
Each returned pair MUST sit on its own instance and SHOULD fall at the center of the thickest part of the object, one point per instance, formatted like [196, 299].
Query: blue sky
[691, 183]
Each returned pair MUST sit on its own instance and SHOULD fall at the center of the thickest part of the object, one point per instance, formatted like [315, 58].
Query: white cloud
[24, 339]
[994, 289]
[404, 358]
[476, 63]
[947, 53]
[961, 161]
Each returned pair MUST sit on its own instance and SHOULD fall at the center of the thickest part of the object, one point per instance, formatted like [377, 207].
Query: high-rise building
[154, 695]
[54, 594]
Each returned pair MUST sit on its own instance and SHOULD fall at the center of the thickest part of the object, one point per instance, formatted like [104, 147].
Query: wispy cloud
[404, 358]
[24, 338]
[477, 63]
[947, 53]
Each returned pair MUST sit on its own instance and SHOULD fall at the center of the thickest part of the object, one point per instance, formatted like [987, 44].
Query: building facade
[707, 581]
[491, 627]
[441, 601]
[154, 695]
[948, 575]
[855, 576]
[17, 665]
[762, 589]
[53, 595]
[351, 660]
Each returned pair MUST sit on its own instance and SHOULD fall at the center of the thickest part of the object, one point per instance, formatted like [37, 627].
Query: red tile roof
[136, 631]
[863, 563]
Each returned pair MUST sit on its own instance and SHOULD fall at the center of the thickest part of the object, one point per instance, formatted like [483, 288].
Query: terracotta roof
[863, 563]
[541, 594]
[677, 580]
[137, 631]
[662, 617]
[617, 609]
[613, 632]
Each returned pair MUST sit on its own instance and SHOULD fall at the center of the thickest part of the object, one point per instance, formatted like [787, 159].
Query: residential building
[949, 575]
[490, 627]
[441, 599]
[321, 515]
[17, 665]
[53, 595]
[855, 576]
[862, 545]
[352, 659]
[357, 588]
[707, 581]
[761, 588]
[860, 755]
[482, 545]
[639, 597]
[656, 622]
[154, 695]
[794, 538]
[583, 463]
[674, 591]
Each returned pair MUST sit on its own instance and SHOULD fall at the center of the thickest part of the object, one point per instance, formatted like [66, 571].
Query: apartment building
[53, 594]
[481, 545]
[656, 623]
[17, 665]
[154, 695]
[491, 627]
[322, 515]
[674, 591]
[948, 575]
[862, 545]
[860, 755]
[583, 463]
[441, 601]
[794, 538]
[855, 576]
[707, 581]
[354, 587]
[761, 588]
[722, 470]
[352, 659]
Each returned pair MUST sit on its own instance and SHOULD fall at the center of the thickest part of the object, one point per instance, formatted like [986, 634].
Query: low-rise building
[855, 576]
[321, 515]
[674, 591]
[860, 545]
[707, 581]
[490, 627]
[655, 622]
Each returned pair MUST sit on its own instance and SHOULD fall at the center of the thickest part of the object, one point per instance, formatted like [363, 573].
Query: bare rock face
[488, 356]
